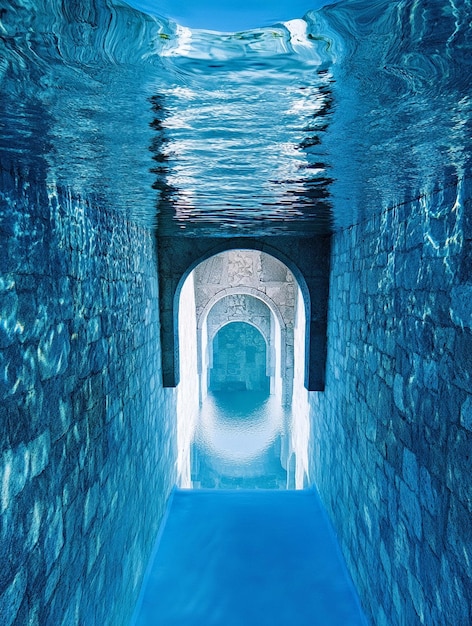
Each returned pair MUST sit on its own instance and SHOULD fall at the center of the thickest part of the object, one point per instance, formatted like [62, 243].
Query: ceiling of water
[298, 126]
[227, 15]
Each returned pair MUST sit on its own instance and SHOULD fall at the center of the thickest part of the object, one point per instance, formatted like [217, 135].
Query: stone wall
[86, 429]
[392, 434]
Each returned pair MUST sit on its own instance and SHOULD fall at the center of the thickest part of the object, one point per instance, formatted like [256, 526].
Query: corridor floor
[243, 558]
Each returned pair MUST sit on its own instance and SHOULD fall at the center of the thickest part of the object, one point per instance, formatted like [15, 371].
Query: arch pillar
[308, 259]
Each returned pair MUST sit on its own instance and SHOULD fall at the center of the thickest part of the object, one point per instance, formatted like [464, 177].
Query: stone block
[98, 355]
[90, 505]
[410, 470]
[14, 473]
[462, 370]
[10, 260]
[428, 494]
[12, 598]
[459, 533]
[408, 271]
[94, 329]
[54, 538]
[371, 428]
[417, 596]
[398, 392]
[8, 318]
[39, 450]
[459, 457]
[53, 352]
[466, 414]
[461, 306]
[410, 510]
[454, 593]
[430, 373]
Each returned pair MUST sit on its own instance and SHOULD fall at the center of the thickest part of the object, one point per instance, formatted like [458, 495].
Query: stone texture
[392, 434]
[87, 430]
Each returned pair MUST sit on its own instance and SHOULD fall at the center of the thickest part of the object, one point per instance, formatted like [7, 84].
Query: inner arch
[239, 359]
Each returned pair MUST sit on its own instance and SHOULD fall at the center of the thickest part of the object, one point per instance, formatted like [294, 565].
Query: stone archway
[262, 291]
[306, 257]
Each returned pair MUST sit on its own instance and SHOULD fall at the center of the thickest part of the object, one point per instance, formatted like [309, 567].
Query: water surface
[301, 126]
[238, 442]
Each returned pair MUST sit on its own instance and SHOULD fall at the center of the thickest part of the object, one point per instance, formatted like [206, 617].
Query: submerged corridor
[247, 557]
[300, 167]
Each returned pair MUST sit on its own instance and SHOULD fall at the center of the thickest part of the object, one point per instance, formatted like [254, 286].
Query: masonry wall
[392, 434]
[87, 433]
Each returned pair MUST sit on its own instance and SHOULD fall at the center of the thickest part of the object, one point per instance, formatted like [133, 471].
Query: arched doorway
[241, 330]
[307, 259]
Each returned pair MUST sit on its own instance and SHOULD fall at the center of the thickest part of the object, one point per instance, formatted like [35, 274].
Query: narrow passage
[247, 558]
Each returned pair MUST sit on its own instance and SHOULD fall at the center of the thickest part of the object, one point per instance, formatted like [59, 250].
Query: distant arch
[240, 320]
[244, 290]
[244, 366]
[275, 335]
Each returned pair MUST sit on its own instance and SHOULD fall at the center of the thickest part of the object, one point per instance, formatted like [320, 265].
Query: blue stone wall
[87, 455]
[392, 434]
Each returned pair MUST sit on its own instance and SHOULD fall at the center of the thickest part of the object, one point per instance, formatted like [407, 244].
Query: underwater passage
[134, 151]
[253, 558]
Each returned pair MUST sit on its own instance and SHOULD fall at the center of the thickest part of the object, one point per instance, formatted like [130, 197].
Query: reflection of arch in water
[239, 358]
[279, 369]
[225, 435]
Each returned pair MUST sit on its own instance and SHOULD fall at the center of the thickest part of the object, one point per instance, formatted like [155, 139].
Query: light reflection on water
[239, 441]
[245, 133]
[227, 15]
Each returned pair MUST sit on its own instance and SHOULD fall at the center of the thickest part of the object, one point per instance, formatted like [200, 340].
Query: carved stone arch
[279, 371]
[306, 257]
[242, 289]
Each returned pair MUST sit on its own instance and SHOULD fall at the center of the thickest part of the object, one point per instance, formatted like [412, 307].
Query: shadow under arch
[306, 257]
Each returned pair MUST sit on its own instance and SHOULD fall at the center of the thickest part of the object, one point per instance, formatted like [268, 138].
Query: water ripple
[301, 126]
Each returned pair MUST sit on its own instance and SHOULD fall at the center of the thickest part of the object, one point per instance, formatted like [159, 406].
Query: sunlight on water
[226, 15]
[303, 125]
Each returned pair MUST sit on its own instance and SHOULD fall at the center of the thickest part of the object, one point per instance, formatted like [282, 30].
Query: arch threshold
[306, 257]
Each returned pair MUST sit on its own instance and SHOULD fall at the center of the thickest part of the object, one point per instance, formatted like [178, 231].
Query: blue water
[238, 442]
[301, 126]
[227, 15]
[247, 558]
